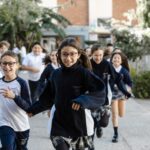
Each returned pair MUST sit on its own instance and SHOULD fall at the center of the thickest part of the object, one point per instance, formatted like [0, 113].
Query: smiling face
[98, 56]
[53, 57]
[37, 49]
[9, 66]
[117, 60]
[69, 56]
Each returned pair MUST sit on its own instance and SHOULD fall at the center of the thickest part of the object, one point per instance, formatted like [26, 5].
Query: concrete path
[134, 130]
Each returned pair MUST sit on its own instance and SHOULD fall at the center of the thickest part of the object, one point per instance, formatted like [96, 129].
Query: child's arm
[29, 68]
[95, 96]
[22, 100]
[121, 85]
[45, 100]
[26, 66]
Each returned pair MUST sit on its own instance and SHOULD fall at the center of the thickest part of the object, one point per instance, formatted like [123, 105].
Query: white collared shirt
[35, 61]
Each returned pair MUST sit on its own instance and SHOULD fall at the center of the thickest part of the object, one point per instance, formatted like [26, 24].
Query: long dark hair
[84, 60]
[124, 58]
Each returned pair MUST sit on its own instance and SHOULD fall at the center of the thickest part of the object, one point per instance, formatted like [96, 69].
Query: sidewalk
[134, 131]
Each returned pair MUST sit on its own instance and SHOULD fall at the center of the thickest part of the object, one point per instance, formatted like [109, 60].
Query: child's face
[98, 56]
[9, 65]
[69, 56]
[53, 57]
[3, 49]
[117, 60]
[110, 48]
[37, 49]
[88, 52]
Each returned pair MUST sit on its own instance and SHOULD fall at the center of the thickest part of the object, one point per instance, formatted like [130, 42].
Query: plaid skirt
[117, 94]
[79, 143]
[99, 115]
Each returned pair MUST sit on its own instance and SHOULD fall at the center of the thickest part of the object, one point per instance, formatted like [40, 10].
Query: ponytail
[84, 60]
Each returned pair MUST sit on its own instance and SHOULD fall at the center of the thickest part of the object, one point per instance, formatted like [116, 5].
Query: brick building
[85, 15]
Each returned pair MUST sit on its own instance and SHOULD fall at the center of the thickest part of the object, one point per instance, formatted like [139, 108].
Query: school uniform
[126, 78]
[68, 85]
[111, 78]
[106, 71]
[35, 61]
[14, 121]
[43, 80]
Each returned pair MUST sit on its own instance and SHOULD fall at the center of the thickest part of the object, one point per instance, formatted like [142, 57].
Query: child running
[51, 64]
[14, 101]
[105, 71]
[118, 99]
[73, 91]
[33, 63]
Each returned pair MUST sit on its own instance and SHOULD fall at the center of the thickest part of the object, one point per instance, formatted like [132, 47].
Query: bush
[141, 88]
[132, 72]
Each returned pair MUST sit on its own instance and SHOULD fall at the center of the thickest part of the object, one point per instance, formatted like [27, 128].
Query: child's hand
[75, 106]
[35, 70]
[8, 93]
[30, 115]
[127, 96]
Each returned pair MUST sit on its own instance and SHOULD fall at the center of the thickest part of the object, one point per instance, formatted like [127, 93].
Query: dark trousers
[33, 85]
[12, 140]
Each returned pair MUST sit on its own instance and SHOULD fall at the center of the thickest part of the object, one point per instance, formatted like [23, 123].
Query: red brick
[77, 13]
[122, 6]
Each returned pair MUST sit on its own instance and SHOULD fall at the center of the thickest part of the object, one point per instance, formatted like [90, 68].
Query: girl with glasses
[72, 92]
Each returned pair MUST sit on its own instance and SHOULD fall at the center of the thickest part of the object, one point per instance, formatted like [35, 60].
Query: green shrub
[141, 87]
[132, 72]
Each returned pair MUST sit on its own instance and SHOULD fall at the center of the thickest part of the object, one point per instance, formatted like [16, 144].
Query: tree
[143, 11]
[21, 21]
[134, 41]
[133, 45]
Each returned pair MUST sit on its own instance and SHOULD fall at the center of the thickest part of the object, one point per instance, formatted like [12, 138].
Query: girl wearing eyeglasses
[14, 101]
[73, 91]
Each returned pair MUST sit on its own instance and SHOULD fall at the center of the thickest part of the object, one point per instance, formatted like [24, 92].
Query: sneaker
[115, 139]
[99, 132]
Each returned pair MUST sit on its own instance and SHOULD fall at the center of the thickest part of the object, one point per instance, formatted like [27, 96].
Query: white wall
[49, 3]
[99, 9]
[142, 64]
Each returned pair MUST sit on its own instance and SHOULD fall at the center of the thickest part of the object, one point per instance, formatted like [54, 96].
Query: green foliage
[132, 72]
[133, 46]
[143, 12]
[21, 21]
[141, 87]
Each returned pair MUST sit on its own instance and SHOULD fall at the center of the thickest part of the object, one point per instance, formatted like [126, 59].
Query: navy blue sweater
[104, 69]
[68, 85]
[126, 76]
[43, 80]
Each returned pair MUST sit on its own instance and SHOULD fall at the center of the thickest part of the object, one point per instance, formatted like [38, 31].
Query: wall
[121, 6]
[77, 13]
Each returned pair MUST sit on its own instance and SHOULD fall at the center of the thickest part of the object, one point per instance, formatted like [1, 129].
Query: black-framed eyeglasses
[10, 64]
[71, 54]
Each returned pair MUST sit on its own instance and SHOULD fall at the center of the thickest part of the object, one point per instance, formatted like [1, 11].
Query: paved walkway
[134, 130]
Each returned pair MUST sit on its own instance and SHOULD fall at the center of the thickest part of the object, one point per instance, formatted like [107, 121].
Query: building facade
[87, 16]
